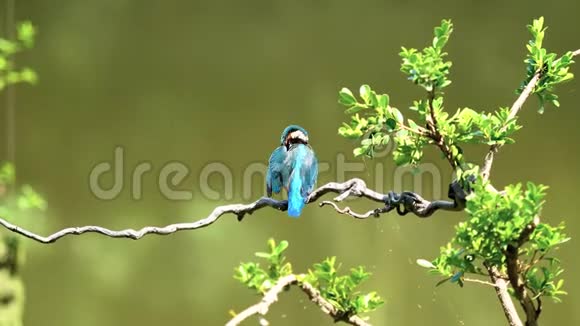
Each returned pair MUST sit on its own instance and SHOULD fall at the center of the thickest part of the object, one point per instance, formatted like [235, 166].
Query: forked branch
[514, 110]
[532, 311]
[313, 294]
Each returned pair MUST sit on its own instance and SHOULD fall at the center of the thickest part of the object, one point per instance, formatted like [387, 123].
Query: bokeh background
[217, 81]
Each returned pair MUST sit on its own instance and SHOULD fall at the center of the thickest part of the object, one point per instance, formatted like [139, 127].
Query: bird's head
[294, 134]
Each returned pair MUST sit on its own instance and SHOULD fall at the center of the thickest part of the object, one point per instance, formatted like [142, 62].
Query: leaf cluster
[17, 204]
[428, 68]
[553, 70]
[9, 73]
[374, 122]
[339, 290]
[498, 220]
[262, 279]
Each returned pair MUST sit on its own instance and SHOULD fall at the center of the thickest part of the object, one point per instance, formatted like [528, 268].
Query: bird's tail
[296, 199]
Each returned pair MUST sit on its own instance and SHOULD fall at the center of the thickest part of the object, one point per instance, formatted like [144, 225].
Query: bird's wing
[308, 167]
[311, 171]
[274, 179]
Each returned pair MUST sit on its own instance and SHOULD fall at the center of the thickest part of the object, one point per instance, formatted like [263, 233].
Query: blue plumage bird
[293, 166]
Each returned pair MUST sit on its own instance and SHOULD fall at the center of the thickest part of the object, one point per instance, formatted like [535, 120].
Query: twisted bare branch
[347, 211]
[313, 294]
[238, 209]
[404, 203]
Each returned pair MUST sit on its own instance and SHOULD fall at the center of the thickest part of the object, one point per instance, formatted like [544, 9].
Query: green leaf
[283, 245]
[346, 98]
[30, 199]
[7, 47]
[391, 123]
[355, 108]
[358, 152]
[383, 101]
[443, 281]
[397, 115]
[425, 263]
[7, 173]
[26, 33]
[366, 93]
[456, 277]
[28, 75]
[264, 255]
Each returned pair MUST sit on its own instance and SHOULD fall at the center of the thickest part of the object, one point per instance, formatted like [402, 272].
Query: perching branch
[283, 283]
[238, 209]
[404, 203]
[515, 108]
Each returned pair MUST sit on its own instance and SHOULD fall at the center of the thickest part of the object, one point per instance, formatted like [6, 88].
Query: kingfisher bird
[293, 165]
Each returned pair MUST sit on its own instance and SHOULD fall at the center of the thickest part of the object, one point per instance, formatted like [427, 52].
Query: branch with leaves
[335, 294]
[544, 72]
[19, 203]
[503, 239]
[9, 73]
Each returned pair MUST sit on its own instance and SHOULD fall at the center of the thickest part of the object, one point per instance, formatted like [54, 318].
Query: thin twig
[346, 210]
[431, 118]
[419, 131]
[407, 202]
[474, 280]
[404, 203]
[271, 296]
[435, 134]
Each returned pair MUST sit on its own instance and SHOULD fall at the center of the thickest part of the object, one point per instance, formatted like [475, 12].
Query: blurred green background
[217, 81]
